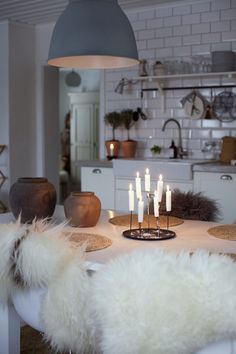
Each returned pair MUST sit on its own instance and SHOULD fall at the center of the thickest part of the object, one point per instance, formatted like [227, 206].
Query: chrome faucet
[180, 151]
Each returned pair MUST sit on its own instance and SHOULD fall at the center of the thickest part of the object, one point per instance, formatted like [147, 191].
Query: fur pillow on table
[155, 302]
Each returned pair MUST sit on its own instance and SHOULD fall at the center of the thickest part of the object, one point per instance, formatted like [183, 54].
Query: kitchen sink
[171, 169]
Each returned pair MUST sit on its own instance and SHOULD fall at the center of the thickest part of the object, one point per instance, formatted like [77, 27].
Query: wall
[17, 129]
[167, 33]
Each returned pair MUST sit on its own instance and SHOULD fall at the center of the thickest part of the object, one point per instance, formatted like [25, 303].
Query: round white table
[190, 236]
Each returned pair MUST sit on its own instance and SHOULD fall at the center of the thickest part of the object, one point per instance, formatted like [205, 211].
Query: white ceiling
[45, 11]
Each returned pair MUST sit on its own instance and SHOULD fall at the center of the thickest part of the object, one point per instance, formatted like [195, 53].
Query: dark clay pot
[32, 197]
[82, 209]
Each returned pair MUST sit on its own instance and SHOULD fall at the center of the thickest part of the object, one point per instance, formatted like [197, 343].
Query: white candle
[168, 199]
[140, 210]
[131, 198]
[147, 181]
[156, 205]
[160, 188]
[111, 149]
[138, 186]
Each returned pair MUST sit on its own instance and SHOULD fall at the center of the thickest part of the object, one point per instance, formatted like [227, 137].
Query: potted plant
[156, 150]
[128, 146]
[114, 120]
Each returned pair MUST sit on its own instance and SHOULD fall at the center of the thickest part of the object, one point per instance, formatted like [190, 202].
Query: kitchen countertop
[216, 166]
[198, 166]
[95, 163]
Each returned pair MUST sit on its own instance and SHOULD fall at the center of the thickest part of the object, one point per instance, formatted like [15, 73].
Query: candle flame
[147, 171]
[111, 146]
[137, 174]
[155, 193]
[167, 188]
[160, 178]
[130, 187]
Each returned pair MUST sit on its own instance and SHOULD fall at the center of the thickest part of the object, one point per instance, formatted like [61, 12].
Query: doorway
[82, 103]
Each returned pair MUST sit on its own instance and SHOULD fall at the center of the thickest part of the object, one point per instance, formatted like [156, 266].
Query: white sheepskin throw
[163, 303]
[150, 302]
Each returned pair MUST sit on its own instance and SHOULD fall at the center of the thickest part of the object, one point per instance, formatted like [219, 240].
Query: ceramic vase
[82, 209]
[32, 197]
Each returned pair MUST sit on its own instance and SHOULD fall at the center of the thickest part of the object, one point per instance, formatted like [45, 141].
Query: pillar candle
[140, 210]
[131, 198]
[138, 186]
[160, 188]
[168, 199]
[111, 149]
[147, 181]
[156, 205]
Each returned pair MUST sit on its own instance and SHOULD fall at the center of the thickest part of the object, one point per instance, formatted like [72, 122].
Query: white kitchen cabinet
[99, 180]
[122, 187]
[220, 187]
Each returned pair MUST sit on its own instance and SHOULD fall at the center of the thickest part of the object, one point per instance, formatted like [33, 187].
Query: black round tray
[149, 234]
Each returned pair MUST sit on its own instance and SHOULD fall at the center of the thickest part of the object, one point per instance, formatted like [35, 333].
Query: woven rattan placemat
[94, 242]
[124, 220]
[225, 232]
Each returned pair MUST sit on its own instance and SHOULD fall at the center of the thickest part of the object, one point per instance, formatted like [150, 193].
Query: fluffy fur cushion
[157, 302]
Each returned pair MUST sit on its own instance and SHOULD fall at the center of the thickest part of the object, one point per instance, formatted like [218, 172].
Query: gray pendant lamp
[93, 34]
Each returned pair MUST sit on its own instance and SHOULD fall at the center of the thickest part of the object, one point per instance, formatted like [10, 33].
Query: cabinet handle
[226, 177]
[97, 170]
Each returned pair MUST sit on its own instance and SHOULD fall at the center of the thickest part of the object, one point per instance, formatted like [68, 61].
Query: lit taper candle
[131, 198]
[138, 186]
[111, 149]
[168, 199]
[140, 210]
[156, 205]
[160, 188]
[147, 181]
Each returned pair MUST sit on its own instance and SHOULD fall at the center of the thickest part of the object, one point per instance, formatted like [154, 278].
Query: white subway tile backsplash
[201, 49]
[164, 53]
[194, 39]
[182, 51]
[173, 41]
[164, 11]
[210, 123]
[182, 30]
[141, 44]
[190, 19]
[229, 36]
[201, 134]
[210, 16]
[218, 134]
[220, 26]
[139, 25]
[201, 28]
[221, 46]
[233, 25]
[155, 43]
[211, 37]
[156, 23]
[147, 54]
[228, 14]
[146, 14]
[182, 10]
[172, 21]
[219, 4]
[201, 7]
[146, 34]
[164, 32]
